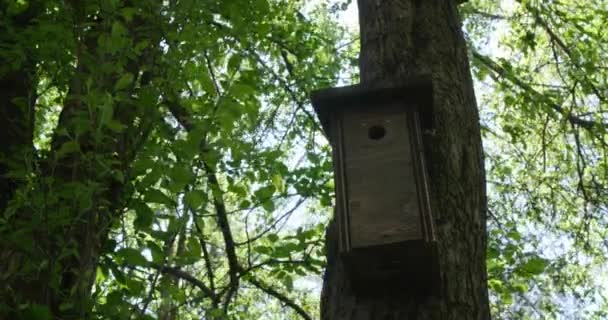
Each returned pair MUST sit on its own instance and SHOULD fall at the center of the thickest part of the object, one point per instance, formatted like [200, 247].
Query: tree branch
[281, 297]
[286, 86]
[562, 45]
[224, 225]
[183, 117]
[502, 72]
[187, 277]
[207, 258]
[272, 225]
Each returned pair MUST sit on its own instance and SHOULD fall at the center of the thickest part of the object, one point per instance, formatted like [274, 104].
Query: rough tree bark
[399, 39]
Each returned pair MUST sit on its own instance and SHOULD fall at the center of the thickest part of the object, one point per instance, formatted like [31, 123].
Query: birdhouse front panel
[379, 176]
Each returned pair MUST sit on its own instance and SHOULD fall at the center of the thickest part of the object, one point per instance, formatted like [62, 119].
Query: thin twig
[281, 297]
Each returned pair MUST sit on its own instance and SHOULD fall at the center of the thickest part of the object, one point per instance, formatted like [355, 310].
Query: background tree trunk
[17, 100]
[399, 39]
[55, 267]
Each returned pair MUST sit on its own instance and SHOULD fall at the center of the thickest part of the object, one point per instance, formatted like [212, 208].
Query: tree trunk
[17, 100]
[400, 39]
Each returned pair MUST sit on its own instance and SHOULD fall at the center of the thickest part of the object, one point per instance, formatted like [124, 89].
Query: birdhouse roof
[416, 92]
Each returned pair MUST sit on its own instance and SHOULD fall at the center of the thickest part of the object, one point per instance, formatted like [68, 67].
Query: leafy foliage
[173, 142]
[543, 84]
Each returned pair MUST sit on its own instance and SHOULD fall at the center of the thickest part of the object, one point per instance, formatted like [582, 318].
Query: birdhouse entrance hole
[376, 132]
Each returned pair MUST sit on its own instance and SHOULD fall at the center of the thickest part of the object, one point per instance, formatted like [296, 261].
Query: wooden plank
[380, 180]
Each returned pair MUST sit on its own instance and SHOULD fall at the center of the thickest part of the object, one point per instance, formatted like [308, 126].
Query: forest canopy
[161, 159]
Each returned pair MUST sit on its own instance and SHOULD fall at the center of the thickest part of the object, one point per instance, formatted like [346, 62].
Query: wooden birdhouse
[385, 226]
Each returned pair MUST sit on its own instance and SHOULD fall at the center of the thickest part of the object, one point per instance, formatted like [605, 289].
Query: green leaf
[496, 285]
[268, 205]
[263, 250]
[513, 234]
[142, 165]
[535, 266]
[507, 297]
[157, 196]
[136, 287]
[114, 298]
[37, 312]
[180, 177]
[100, 275]
[264, 193]
[520, 287]
[144, 215]
[207, 83]
[194, 199]
[273, 237]
[131, 256]
[124, 81]
[160, 235]
[150, 178]
[287, 282]
[492, 253]
[217, 313]
[245, 204]
[118, 29]
[17, 7]
[242, 90]
[68, 147]
[194, 248]
[278, 183]
[282, 252]
[118, 275]
[325, 201]
[119, 176]
[262, 6]
[115, 126]
[495, 266]
[128, 13]
[157, 253]
[233, 63]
